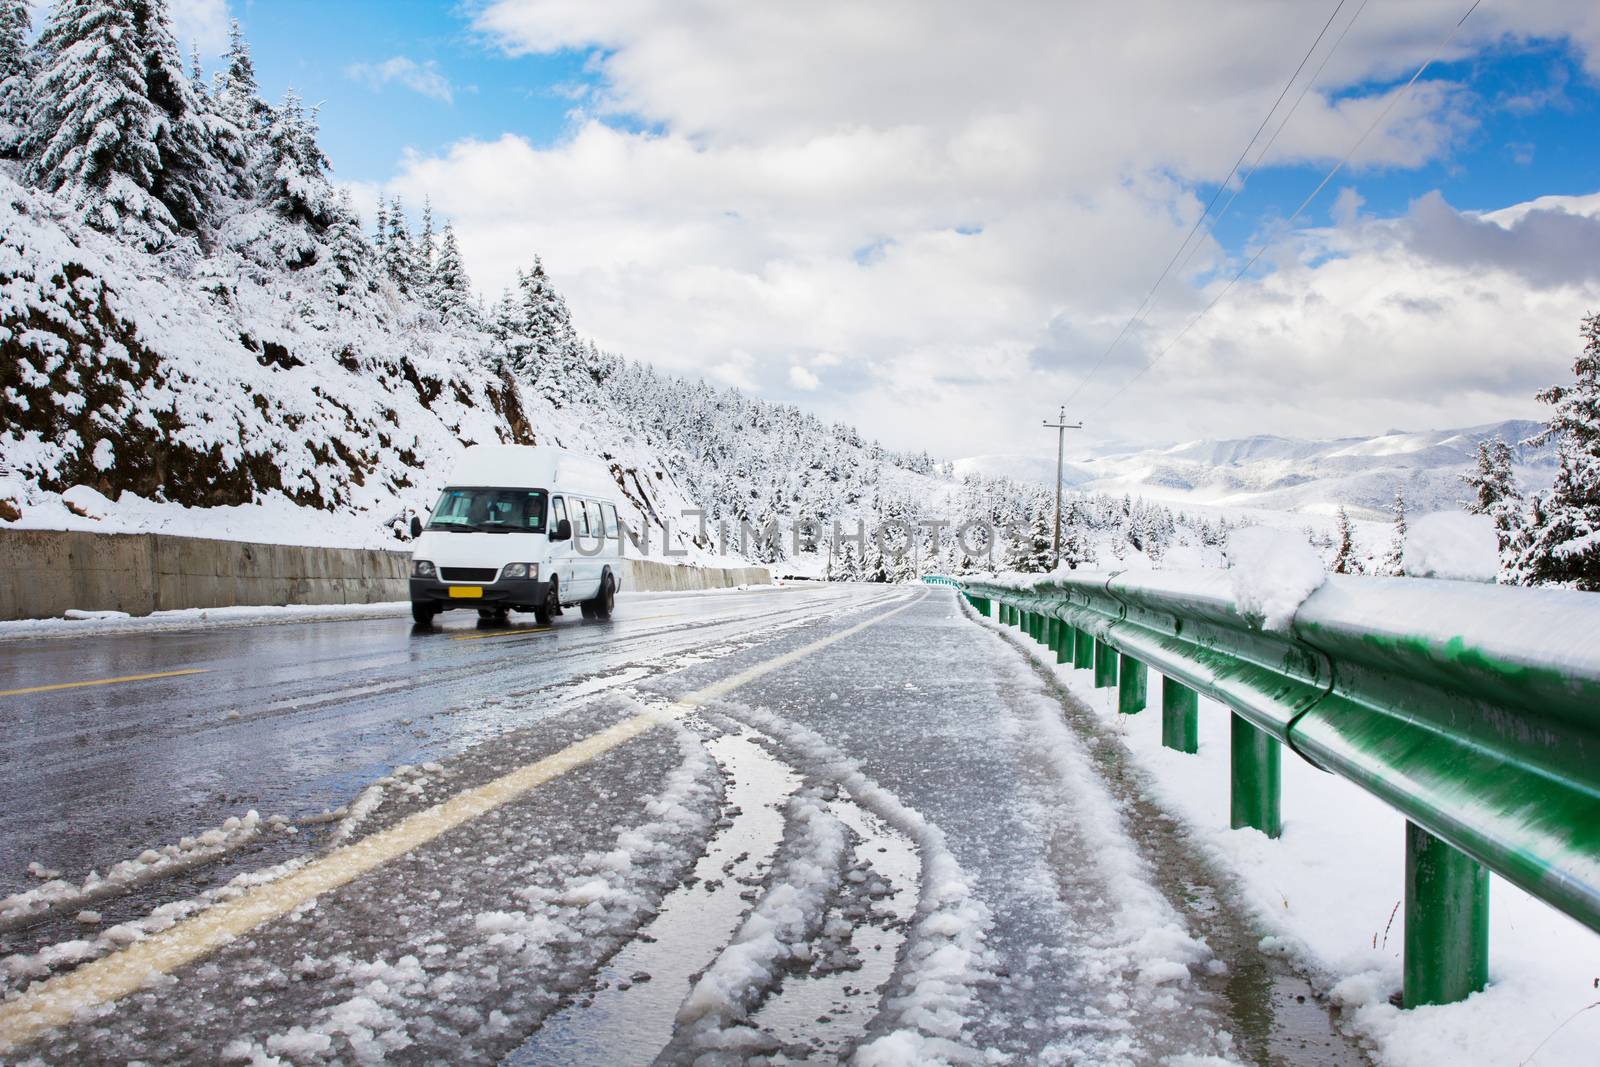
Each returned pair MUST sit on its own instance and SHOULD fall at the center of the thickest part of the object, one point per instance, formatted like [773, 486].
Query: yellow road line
[503, 633]
[52, 1003]
[57, 1001]
[101, 681]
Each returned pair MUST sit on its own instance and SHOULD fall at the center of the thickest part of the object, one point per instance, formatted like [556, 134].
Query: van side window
[610, 513]
[558, 511]
[583, 517]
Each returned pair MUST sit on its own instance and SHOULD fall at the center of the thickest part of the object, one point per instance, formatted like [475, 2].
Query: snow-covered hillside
[1291, 475]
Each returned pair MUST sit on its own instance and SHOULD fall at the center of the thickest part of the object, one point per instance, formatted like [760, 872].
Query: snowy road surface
[818, 823]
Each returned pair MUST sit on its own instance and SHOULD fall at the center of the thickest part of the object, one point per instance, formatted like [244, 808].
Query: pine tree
[399, 255]
[119, 132]
[349, 255]
[452, 290]
[424, 265]
[1563, 545]
[872, 565]
[237, 117]
[1394, 560]
[16, 75]
[186, 182]
[294, 172]
[380, 235]
[1344, 556]
[1040, 557]
[1495, 494]
[90, 140]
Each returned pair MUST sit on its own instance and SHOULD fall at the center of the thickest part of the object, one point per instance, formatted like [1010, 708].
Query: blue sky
[917, 220]
[313, 47]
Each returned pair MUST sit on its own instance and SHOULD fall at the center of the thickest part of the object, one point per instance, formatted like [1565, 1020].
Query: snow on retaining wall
[44, 573]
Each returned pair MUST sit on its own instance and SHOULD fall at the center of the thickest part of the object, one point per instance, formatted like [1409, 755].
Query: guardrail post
[1083, 651]
[1132, 694]
[1105, 665]
[1447, 921]
[1180, 716]
[1257, 779]
[1043, 630]
[1050, 622]
[1066, 642]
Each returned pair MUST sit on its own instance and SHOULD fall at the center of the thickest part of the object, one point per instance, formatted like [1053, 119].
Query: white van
[519, 529]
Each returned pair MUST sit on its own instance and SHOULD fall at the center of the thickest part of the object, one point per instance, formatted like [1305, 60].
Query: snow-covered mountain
[1289, 474]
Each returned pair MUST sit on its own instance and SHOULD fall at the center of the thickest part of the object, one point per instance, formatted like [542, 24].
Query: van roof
[533, 467]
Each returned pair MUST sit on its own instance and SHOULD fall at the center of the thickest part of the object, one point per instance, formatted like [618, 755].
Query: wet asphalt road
[294, 718]
[862, 823]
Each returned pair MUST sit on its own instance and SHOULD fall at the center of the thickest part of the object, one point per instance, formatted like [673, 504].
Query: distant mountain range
[1292, 475]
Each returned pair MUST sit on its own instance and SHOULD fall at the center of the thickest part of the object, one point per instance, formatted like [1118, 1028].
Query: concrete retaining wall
[43, 573]
[648, 576]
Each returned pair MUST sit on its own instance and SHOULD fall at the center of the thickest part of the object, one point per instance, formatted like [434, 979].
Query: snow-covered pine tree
[399, 255]
[1495, 494]
[873, 568]
[186, 181]
[236, 118]
[1563, 545]
[238, 94]
[349, 256]
[1344, 554]
[1040, 558]
[1394, 560]
[294, 173]
[16, 75]
[380, 235]
[452, 289]
[92, 140]
[423, 279]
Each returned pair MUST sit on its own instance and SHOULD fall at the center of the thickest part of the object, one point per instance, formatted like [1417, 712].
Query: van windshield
[489, 510]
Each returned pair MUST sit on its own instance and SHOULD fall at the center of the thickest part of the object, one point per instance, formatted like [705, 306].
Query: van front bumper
[525, 593]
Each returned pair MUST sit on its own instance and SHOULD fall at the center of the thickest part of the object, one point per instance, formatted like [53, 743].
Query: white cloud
[801, 378]
[202, 24]
[423, 78]
[962, 207]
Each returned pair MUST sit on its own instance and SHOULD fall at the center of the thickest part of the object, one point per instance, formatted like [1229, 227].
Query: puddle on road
[629, 1017]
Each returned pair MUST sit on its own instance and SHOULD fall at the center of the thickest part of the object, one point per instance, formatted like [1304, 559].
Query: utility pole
[1060, 426]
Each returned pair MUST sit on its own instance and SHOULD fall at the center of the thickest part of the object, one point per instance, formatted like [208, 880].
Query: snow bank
[1452, 544]
[1330, 890]
[96, 623]
[1273, 572]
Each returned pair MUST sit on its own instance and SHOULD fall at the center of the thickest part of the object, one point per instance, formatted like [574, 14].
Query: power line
[1304, 90]
[1323, 184]
[1214, 198]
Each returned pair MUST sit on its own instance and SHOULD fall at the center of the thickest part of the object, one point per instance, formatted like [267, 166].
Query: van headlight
[421, 568]
[520, 570]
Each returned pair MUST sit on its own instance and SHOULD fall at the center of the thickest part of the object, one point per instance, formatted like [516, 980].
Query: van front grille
[467, 574]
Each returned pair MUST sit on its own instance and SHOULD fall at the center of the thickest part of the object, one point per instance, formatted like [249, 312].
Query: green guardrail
[1473, 710]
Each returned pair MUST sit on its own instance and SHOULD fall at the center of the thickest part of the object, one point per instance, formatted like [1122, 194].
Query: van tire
[601, 605]
[422, 614]
[545, 614]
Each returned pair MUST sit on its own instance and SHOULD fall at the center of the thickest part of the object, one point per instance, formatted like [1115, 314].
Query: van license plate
[466, 592]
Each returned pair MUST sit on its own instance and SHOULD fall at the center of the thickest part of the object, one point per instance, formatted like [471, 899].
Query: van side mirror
[416, 527]
[563, 530]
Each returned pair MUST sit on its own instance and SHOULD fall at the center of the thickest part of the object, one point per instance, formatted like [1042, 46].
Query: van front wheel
[422, 614]
[545, 614]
